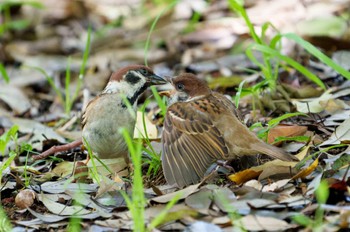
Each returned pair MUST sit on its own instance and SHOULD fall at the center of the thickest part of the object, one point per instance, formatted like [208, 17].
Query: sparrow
[200, 128]
[108, 112]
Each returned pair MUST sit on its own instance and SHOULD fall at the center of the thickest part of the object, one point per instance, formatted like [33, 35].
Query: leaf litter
[265, 197]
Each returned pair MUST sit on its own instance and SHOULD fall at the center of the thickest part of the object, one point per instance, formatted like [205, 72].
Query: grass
[66, 99]
[153, 26]
[153, 161]
[5, 138]
[4, 74]
[137, 203]
[5, 224]
[263, 131]
[160, 101]
[8, 23]
[273, 59]
[93, 170]
[315, 224]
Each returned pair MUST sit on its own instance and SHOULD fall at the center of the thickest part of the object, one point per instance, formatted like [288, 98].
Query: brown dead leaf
[63, 169]
[139, 131]
[285, 131]
[277, 172]
[62, 209]
[259, 223]
[307, 171]
[274, 186]
[276, 162]
[340, 135]
[15, 98]
[243, 176]
[333, 105]
[116, 165]
[183, 193]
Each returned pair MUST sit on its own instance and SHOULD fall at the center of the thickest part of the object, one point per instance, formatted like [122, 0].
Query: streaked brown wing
[90, 105]
[191, 143]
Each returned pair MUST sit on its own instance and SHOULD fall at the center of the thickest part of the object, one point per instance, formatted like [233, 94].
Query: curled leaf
[307, 171]
[244, 176]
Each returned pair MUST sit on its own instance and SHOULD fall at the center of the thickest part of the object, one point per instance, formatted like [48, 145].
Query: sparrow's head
[132, 81]
[187, 87]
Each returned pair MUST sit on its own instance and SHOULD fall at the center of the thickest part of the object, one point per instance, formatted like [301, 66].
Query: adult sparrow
[200, 128]
[108, 112]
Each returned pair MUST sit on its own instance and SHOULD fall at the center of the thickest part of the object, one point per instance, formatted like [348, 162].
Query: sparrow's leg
[224, 164]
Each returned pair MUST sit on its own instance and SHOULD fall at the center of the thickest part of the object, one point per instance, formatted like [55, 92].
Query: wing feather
[191, 143]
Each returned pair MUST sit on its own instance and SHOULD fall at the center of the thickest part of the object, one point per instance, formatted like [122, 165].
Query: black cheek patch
[132, 78]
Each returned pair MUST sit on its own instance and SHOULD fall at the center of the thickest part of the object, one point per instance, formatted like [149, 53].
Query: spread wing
[191, 142]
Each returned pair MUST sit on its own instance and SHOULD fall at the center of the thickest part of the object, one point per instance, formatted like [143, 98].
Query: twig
[55, 149]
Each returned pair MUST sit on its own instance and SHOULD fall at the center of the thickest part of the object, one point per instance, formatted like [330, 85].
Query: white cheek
[123, 87]
[178, 97]
[112, 87]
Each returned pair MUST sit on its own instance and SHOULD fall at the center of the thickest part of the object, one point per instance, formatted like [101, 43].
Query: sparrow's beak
[166, 93]
[155, 80]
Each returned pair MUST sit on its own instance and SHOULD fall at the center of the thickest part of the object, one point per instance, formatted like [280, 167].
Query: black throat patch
[136, 95]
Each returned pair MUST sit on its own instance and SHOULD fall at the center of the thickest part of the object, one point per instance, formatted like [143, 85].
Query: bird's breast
[103, 124]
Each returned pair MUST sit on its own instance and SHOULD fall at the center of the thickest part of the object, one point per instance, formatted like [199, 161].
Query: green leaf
[315, 52]
[239, 93]
[331, 26]
[291, 62]
[292, 138]
[7, 136]
[322, 192]
[18, 24]
[153, 26]
[273, 122]
[303, 220]
[4, 74]
[159, 100]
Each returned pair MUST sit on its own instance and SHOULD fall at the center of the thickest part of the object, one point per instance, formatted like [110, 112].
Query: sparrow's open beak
[166, 93]
[155, 80]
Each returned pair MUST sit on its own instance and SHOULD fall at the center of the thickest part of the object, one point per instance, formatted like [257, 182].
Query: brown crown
[118, 75]
[193, 85]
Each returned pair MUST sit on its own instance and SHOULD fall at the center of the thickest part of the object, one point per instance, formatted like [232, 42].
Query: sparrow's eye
[180, 86]
[143, 71]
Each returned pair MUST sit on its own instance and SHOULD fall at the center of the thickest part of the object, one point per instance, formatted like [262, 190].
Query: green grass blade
[50, 81]
[291, 62]
[153, 26]
[275, 121]
[86, 54]
[162, 215]
[83, 65]
[68, 102]
[317, 53]
[159, 100]
[138, 198]
[93, 170]
[5, 223]
[239, 93]
[236, 6]
[4, 74]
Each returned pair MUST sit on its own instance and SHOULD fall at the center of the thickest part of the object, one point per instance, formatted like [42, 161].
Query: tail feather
[274, 152]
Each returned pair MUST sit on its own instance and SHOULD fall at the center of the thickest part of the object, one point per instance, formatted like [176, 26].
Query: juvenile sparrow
[200, 128]
[107, 113]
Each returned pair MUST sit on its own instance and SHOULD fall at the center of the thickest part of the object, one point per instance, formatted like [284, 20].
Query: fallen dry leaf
[243, 176]
[258, 223]
[183, 194]
[307, 171]
[139, 132]
[340, 135]
[285, 131]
